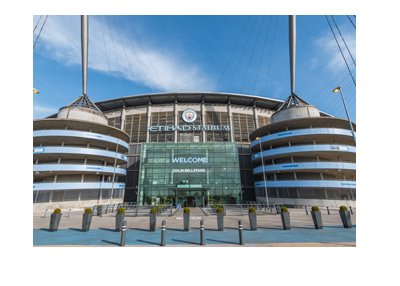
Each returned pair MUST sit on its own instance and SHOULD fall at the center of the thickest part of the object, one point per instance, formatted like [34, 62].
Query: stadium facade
[190, 149]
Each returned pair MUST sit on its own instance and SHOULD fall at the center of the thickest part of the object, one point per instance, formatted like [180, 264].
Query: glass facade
[189, 174]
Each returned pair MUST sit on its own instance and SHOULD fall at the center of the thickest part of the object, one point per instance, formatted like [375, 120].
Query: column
[203, 119]
[123, 113]
[230, 120]
[175, 120]
[148, 121]
[255, 115]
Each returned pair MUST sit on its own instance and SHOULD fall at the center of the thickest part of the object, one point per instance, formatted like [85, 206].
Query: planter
[346, 218]
[220, 221]
[285, 216]
[119, 221]
[317, 219]
[54, 221]
[153, 221]
[86, 221]
[253, 220]
[186, 221]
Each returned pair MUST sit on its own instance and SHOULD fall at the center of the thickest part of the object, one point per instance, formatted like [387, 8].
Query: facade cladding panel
[193, 173]
[149, 121]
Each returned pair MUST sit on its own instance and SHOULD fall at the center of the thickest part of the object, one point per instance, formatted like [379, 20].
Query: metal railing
[239, 209]
[131, 209]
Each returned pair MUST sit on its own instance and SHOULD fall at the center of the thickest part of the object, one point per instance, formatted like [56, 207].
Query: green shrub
[121, 210]
[220, 210]
[284, 209]
[186, 210]
[57, 211]
[252, 210]
[315, 209]
[154, 210]
[88, 210]
[343, 208]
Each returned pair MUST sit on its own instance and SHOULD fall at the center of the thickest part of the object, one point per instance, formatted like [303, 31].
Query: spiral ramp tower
[78, 159]
[303, 158]
[300, 159]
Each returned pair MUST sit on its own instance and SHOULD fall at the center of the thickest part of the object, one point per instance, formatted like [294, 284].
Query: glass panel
[175, 171]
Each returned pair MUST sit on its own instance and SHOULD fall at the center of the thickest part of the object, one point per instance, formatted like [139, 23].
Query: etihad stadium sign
[189, 116]
[166, 128]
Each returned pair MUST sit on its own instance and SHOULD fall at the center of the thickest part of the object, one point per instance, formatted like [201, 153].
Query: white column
[203, 120]
[123, 114]
[148, 122]
[255, 115]
[230, 120]
[175, 121]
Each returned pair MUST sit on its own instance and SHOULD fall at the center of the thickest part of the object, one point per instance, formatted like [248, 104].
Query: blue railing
[302, 132]
[80, 134]
[305, 166]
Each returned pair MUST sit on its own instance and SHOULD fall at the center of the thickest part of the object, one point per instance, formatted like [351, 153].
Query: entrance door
[191, 201]
[189, 198]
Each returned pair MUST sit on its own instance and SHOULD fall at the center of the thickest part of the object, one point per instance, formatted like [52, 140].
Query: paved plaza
[269, 232]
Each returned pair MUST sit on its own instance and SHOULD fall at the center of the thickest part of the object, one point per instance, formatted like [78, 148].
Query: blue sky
[131, 55]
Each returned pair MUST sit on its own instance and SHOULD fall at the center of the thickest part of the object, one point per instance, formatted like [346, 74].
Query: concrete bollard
[327, 208]
[123, 234]
[240, 226]
[163, 230]
[202, 241]
[306, 210]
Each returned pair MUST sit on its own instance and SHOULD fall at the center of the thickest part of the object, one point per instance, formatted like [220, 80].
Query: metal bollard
[202, 242]
[163, 230]
[306, 210]
[240, 225]
[351, 210]
[123, 234]
[327, 208]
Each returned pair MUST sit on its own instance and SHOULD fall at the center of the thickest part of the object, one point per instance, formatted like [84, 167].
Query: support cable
[340, 49]
[34, 44]
[241, 55]
[139, 60]
[106, 51]
[126, 55]
[147, 57]
[37, 23]
[252, 52]
[340, 33]
[232, 53]
[351, 22]
[262, 55]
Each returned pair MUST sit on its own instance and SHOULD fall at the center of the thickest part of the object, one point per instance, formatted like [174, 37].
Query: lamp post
[339, 89]
[262, 164]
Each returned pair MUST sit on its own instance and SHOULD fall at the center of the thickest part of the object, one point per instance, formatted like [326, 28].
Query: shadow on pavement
[185, 241]
[270, 228]
[222, 241]
[108, 229]
[149, 242]
[178, 229]
[212, 229]
[76, 229]
[141, 229]
[110, 242]
[45, 229]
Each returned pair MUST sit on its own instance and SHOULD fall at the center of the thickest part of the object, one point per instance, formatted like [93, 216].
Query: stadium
[193, 149]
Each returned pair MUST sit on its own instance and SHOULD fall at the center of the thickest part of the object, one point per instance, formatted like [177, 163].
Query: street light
[339, 89]
[262, 164]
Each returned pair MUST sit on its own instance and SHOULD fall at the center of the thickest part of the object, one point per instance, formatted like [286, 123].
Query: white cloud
[328, 53]
[41, 111]
[112, 51]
